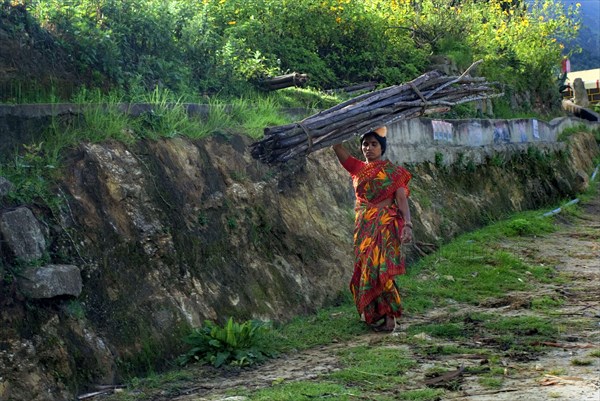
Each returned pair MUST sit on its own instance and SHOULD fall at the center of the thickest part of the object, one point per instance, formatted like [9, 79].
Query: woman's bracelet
[409, 224]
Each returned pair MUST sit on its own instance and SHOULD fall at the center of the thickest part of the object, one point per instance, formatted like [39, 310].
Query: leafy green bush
[225, 47]
[522, 227]
[234, 344]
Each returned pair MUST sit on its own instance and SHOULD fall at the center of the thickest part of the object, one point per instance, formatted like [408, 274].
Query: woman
[382, 224]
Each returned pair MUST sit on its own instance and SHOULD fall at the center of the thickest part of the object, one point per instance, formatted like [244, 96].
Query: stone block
[5, 187]
[22, 234]
[50, 281]
[582, 181]
[581, 96]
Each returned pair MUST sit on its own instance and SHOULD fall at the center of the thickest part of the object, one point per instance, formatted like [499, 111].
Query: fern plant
[234, 344]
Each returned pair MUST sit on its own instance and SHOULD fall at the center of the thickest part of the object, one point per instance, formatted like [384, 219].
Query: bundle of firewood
[431, 91]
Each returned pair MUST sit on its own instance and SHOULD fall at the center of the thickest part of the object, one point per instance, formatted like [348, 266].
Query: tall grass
[104, 116]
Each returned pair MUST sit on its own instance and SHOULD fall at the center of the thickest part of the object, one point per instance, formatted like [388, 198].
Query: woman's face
[371, 148]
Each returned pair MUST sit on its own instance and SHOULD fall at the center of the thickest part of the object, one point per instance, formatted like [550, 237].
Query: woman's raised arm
[341, 152]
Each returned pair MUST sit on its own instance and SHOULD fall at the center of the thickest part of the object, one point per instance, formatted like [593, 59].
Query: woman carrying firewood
[382, 224]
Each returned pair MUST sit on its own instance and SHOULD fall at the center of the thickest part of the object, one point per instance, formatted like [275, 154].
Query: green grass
[373, 368]
[440, 330]
[491, 382]
[366, 372]
[326, 326]
[472, 268]
[425, 394]
[530, 326]
[428, 350]
[566, 134]
[546, 303]
[581, 362]
[305, 391]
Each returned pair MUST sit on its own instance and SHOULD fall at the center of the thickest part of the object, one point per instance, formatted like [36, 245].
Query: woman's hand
[406, 234]
[341, 152]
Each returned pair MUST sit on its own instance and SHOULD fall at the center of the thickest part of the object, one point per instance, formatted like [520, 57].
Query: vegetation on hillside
[225, 47]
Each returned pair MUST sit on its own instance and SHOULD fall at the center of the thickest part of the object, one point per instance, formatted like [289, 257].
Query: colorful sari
[377, 233]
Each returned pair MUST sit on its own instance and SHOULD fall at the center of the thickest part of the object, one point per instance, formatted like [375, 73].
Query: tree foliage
[225, 46]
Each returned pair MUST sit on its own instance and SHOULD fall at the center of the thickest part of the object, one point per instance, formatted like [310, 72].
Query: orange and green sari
[377, 233]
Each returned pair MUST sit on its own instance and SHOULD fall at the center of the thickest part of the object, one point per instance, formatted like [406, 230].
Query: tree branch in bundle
[432, 91]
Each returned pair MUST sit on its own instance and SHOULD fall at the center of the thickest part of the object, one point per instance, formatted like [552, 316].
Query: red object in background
[565, 65]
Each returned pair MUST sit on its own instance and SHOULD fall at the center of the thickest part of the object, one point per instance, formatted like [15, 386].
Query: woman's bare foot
[389, 324]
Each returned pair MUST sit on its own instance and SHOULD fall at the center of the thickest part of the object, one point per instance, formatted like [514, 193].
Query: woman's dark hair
[382, 141]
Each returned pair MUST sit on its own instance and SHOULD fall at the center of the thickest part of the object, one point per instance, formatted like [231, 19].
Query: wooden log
[284, 81]
[430, 91]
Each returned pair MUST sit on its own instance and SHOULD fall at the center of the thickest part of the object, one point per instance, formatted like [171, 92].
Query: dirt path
[558, 373]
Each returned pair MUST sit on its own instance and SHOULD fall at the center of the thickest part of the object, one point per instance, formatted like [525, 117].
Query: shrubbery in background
[225, 46]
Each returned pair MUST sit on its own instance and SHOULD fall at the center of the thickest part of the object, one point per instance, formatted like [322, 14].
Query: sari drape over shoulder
[377, 233]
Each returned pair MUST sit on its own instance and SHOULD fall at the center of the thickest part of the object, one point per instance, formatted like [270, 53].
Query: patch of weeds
[263, 112]
[101, 119]
[169, 379]
[528, 227]
[435, 371]
[305, 391]
[470, 166]
[557, 371]
[33, 173]
[439, 159]
[232, 222]
[446, 350]
[490, 382]
[546, 303]
[239, 176]
[74, 309]
[581, 362]
[497, 160]
[217, 120]
[569, 131]
[328, 325]
[233, 344]
[521, 335]
[595, 353]
[421, 197]
[373, 368]
[421, 394]
[464, 272]
[202, 219]
[168, 117]
[442, 330]
[523, 326]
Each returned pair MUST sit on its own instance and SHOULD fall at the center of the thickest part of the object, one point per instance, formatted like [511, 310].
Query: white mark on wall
[442, 130]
